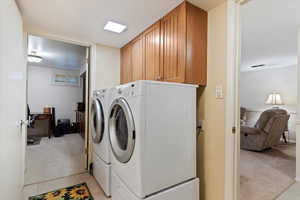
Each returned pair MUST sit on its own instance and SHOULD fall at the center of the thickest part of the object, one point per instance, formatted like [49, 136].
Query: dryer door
[97, 120]
[121, 130]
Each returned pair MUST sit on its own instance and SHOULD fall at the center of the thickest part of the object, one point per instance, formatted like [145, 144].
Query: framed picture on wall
[66, 79]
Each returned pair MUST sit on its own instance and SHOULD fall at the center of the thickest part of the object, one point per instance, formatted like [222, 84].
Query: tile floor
[54, 158]
[36, 189]
[292, 193]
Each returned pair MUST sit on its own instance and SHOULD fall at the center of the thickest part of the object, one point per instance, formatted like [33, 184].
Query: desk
[46, 116]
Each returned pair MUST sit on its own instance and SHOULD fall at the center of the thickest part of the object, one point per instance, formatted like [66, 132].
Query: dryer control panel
[99, 93]
[130, 89]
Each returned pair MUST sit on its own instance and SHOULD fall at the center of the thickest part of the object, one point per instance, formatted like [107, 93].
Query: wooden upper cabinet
[196, 49]
[152, 42]
[174, 45]
[174, 49]
[137, 59]
[126, 64]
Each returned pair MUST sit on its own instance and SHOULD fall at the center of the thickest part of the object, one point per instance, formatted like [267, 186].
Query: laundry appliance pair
[150, 138]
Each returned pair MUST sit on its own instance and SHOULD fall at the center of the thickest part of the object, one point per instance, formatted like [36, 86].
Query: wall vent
[257, 66]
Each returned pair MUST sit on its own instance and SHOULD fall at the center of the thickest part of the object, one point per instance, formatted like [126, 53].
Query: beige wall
[107, 72]
[63, 98]
[211, 142]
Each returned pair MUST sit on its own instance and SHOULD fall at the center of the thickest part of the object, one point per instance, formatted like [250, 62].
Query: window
[66, 80]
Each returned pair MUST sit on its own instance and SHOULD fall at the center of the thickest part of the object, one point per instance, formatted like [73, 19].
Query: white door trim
[232, 141]
[232, 124]
[298, 114]
[90, 79]
[59, 38]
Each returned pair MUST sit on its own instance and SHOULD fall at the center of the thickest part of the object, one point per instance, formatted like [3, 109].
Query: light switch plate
[219, 92]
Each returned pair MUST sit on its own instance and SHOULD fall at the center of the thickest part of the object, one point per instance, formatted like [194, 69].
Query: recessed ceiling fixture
[257, 66]
[114, 27]
[32, 57]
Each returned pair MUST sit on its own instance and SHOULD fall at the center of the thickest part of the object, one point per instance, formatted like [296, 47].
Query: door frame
[232, 111]
[232, 138]
[90, 82]
[298, 112]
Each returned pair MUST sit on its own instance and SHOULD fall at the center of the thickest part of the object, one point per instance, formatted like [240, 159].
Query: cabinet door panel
[196, 60]
[126, 65]
[152, 52]
[174, 45]
[138, 72]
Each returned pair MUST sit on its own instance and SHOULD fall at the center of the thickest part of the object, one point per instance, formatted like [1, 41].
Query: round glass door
[121, 130]
[97, 119]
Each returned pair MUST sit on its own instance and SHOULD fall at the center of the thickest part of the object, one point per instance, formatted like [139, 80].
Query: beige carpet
[264, 176]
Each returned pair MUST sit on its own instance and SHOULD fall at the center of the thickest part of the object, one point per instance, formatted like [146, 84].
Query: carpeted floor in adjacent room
[265, 175]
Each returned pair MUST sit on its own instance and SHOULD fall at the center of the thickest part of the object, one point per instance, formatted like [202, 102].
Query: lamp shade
[274, 99]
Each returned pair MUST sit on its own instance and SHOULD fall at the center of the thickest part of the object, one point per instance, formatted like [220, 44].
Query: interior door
[174, 45]
[152, 52]
[13, 107]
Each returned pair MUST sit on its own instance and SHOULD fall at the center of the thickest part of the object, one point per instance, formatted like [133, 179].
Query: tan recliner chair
[266, 132]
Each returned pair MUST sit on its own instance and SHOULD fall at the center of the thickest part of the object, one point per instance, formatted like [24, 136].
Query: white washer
[152, 131]
[101, 147]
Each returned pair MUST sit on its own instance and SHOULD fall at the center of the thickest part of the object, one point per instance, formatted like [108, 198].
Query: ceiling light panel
[34, 59]
[114, 27]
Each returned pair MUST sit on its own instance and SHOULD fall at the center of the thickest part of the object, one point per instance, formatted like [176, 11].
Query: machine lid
[97, 120]
[121, 130]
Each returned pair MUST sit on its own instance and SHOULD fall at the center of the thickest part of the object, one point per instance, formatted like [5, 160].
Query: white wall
[256, 85]
[41, 93]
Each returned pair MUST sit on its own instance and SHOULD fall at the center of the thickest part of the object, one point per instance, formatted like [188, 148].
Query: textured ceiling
[86, 19]
[57, 54]
[269, 33]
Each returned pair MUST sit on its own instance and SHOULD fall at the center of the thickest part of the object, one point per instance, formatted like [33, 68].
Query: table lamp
[274, 99]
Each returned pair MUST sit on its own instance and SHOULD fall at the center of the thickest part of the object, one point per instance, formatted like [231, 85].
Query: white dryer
[101, 147]
[152, 131]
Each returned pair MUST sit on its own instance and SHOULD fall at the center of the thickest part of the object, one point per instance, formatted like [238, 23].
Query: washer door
[121, 130]
[97, 114]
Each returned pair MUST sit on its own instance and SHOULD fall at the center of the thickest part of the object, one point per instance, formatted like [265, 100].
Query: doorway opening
[268, 83]
[57, 101]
